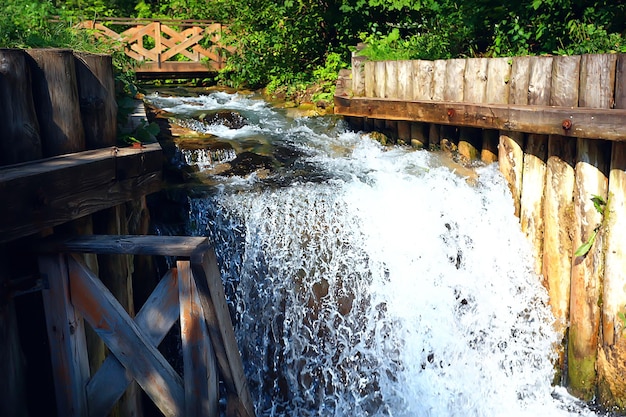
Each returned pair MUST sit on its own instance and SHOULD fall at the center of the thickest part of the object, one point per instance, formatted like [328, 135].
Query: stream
[364, 280]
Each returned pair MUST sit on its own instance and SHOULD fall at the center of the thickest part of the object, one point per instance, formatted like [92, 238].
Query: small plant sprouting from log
[600, 204]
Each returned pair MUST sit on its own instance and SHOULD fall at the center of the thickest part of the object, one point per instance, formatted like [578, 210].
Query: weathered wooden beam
[200, 371]
[156, 318]
[48, 192]
[213, 300]
[66, 336]
[549, 120]
[130, 345]
[180, 246]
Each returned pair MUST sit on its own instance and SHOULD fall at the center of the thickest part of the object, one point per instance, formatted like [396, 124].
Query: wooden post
[12, 364]
[380, 77]
[358, 74]
[597, 80]
[391, 79]
[66, 335]
[200, 368]
[20, 141]
[497, 91]
[612, 350]
[422, 74]
[56, 101]
[369, 75]
[510, 150]
[474, 91]
[534, 169]
[558, 203]
[405, 80]
[96, 91]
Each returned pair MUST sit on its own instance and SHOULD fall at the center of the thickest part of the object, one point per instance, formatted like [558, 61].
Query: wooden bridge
[166, 48]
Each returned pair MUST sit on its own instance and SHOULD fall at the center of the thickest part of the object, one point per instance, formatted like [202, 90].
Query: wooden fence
[557, 127]
[164, 47]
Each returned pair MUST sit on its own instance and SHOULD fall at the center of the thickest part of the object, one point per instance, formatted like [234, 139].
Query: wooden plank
[558, 201]
[380, 87]
[439, 79]
[156, 318]
[534, 164]
[130, 345]
[369, 72]
[518, 90]
[76, 185]
[454, 83]
[422, 80]
[475, 87]
[200, 370]
[180, 246]
[211, 292]
[474, 91]
[548, 120]
[66, 336]
[358, 74]
[391, 79]
[405, 80]
[497, 91]
[597, 82]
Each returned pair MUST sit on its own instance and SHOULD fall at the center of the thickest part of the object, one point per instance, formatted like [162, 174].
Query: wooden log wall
[556, 126]
[55, 102]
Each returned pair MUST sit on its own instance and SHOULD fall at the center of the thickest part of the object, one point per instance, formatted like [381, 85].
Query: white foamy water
[390, 286]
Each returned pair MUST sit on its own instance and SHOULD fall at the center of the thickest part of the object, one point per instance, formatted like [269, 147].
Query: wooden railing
[166, 46]
[191, 293]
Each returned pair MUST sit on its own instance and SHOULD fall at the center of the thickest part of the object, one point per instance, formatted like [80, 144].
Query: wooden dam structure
[76, 254]
[556, 125]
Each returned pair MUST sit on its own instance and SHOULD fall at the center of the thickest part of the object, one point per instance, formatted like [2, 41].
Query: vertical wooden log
[66, 336]
[612, 351]
[20, 141]
[474, 91]
[96, 93]
[200, 368]
[422, 79]
[405, 80]
[358, 74]
[434, 136]
[558, 208]
[534, 169]
[597, 80]
[391, 79]
[454, 80]
[497, 92]
[439, 79]
[369, 75]
[56, 101]
[510, 150]
[422, 90]
[380, 77]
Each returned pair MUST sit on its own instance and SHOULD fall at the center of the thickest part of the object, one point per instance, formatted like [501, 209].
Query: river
[367, 280]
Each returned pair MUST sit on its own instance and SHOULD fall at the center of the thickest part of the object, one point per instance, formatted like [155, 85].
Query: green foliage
[599, 204]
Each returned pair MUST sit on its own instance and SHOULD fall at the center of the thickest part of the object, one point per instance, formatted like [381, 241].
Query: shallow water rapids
[368, 280]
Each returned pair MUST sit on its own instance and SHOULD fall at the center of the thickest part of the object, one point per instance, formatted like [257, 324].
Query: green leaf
[586, 247]
[599, 203]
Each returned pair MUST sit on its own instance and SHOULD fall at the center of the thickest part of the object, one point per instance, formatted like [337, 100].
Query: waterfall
[376, 281]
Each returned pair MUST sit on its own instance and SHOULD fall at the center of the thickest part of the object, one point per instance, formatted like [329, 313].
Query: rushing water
[370, 281]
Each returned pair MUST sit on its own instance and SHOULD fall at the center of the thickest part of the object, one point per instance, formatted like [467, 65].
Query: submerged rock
[229, 118]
